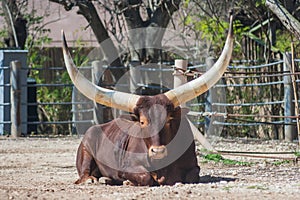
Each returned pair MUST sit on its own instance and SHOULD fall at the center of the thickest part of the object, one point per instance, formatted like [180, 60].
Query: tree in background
[288, 12]
[15, 22]
[208, 19]
[126, 15]
[23, 28]
[204, 20]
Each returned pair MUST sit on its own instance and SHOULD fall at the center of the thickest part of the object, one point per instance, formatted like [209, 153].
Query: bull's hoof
[92, 180]
[128, 183]
[161, 180]
[105, 181]
[87, 180]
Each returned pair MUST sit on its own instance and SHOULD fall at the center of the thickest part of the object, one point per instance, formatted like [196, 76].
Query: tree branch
[290, 22]
[163, 14]
[88, 10]
[11, 24]
[131, 11]
[16, 23]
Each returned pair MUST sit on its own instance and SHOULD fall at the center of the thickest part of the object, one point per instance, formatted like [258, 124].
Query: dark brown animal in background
[152, 146]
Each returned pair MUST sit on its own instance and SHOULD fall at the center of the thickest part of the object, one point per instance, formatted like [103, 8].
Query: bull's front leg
[192, 176]
[86, 166]
[137, 176]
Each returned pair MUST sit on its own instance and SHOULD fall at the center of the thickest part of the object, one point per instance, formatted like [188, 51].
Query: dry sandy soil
[41, 168]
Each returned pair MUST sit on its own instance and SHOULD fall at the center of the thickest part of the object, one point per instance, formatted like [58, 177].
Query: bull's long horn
[200, 85]
[107, 97]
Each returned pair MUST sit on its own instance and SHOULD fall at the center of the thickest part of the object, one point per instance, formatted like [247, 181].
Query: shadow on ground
[215, 179]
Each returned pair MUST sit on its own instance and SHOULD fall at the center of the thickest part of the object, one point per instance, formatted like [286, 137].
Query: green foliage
[280, 162]
[210, 29]
[3, 34]
[227, 188]
[38, 36]
[239, 30]
[257, 187]
[78, 58]
[218, 158]
[260, 3]
[284, 40]
[35, 43]
[297, 154]
[186, 3]
[37, 60]
[214, 30]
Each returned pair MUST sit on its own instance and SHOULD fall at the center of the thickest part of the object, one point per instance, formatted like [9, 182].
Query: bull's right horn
[115, 99]
[194, 88]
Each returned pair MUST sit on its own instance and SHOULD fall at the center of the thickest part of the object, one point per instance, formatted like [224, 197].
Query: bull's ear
[134, 117]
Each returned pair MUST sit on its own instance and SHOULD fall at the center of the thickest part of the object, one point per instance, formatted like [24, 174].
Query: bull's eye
[143, 121]
[143, 124]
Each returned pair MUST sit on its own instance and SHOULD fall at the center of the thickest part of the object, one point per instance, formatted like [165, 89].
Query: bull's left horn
[120, 100]
[194, 88]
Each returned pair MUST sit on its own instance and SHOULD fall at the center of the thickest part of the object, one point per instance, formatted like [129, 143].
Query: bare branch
[12, 24]
[290, 22]
[88, 10]
[163, 14]
[131, 11]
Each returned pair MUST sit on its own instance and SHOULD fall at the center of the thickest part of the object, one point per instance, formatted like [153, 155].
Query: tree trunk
[16, 25]
[290, 22]
[87, 9]
[145, 36]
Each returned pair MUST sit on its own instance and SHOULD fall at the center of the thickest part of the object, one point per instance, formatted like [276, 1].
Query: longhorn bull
[154, 144]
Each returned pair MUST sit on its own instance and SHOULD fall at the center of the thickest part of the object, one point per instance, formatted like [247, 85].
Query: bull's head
[159, 122]
[156, 115]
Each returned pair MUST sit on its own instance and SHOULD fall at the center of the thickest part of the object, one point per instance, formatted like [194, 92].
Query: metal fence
[261, 100]
[249, 101]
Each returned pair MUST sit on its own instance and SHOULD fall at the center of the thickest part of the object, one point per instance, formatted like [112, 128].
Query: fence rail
[258, 96]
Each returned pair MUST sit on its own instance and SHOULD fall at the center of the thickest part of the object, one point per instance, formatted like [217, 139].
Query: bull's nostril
[157, 150]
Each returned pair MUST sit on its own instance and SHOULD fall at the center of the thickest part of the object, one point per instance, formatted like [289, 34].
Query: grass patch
[280, 162]
[227, 188]
[297, 154]
[257, 187]
[218, 158]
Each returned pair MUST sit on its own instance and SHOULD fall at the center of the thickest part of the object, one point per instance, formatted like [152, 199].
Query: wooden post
[97, 72]
[15, 96]
[180, 79]
[289, 129]
[294, 84]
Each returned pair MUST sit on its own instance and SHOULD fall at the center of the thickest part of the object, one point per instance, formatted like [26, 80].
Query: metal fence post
[289, 129]
[15, 81]
[210, 61]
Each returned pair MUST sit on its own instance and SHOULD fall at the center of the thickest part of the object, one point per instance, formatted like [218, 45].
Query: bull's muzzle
[157, 152]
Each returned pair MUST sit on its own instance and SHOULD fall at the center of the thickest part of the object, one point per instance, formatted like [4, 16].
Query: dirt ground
[41, 168]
